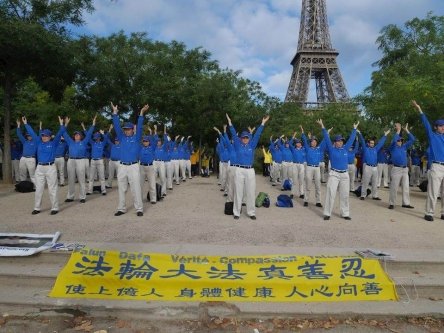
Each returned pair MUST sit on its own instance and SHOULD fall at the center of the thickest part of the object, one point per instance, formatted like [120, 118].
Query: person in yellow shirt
[195, 162]
[267, 162]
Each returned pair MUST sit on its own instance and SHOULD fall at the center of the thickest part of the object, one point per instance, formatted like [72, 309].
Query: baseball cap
[128, 125]
[45, 132]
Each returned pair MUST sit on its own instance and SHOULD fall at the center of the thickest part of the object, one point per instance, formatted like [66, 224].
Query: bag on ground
[423, 185]
[260, 199]
[229, 208]
[358, 191]
[287, 185]
[24, 186]
[284, 200]
[158, 193]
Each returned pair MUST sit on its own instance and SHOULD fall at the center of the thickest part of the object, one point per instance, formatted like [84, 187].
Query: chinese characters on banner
[93, 273]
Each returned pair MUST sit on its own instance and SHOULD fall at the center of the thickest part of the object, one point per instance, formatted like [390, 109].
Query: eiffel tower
[315, 59]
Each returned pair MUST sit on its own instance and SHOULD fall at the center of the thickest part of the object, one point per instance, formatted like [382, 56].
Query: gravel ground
[192, 213]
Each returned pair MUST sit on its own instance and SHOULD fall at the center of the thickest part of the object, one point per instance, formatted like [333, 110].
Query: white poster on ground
[14, 245]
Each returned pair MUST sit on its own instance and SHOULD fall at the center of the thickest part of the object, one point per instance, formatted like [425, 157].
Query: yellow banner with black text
[95, 273]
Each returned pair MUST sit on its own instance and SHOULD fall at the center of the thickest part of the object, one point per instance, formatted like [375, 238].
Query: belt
[146, 164]
[339, 171]
[128, 163]
[437, 162]
[60, 156]
[244, 166]
[298, 162]
[49, 163]
[401, 166]
[371, 165]
[114, 160]
[159, 160]
[29, 156]
[96, 159]
[312, 165]
[77, 158]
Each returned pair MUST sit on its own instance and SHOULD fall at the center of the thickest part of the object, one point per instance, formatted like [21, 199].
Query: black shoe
[362, 198]
[253, 217]
[439, 198]
[442, 217]
[376, 198]
[69, 200]
[62, 185]
[282, 189]
[244, 204]
[82, 201]
[301, 196]
[103, 193]
[153, 202]
[386, 187]
[53, 212]
[318, 204]
[118, 213]
[391, 207]
[326, 218]
[35, 212]
[428, 218]
[170, 188]
[221, 190]
[236, 217]
[348, 218]
[273, 184]
[225, 195]
[291, 196]
[407, 206]
[177, 183]
[88, 193]
[305, 204]
[108, 186]
[139, 214]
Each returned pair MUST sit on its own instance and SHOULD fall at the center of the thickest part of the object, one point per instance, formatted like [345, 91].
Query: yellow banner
[94, 273]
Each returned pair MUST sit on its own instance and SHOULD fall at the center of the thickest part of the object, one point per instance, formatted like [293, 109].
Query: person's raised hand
[114, 108]
[355, 125]
[265, 119]
[24, 120]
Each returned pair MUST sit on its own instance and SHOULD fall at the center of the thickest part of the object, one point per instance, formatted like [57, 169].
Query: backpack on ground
[24, 186]
[358, 191]
[97, 188]
[423, 185]
[260, 199]
[287, 185]
[266, 203]
[284, 200]
[229, 208]
[158, 193]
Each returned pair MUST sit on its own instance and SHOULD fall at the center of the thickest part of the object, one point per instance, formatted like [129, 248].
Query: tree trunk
[7, 172]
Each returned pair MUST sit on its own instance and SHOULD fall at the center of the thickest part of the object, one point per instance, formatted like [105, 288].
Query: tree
[34, 43]
[411, 67]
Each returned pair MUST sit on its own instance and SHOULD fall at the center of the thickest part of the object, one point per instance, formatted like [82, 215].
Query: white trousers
[312, 173]
[223, 175]
[341, 181]
[231, 184]
[16, 170]
[244, 179]
[276, 169]
[322, 171]
[369, 174]
[169, 174]
[148, 172]
[399, 176]
[298, 176]
[187, 169]
[352, 176]
[287, 168]
[46, 174]
[159, 170]
[176, 168]
[113, 170]
[383, 173]
[415, 175]
[435, 176]
[97, 167]
[27, 164]
[60, 166]
[77, 168]
[129, 174]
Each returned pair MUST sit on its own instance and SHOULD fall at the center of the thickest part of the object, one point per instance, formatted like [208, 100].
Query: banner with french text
[95, 273]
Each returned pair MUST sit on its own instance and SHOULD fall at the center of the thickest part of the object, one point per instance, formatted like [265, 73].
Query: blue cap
[97, 136]
[297, 141]
[78, 132]
[338, 137]
[146, 138]
[128, 125]
[439, 122]
[313, 138]
[27, 134]
[245, 134]
[116, 139]
[45, 132]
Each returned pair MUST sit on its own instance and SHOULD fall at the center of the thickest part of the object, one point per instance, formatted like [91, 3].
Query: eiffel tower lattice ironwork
[315, 59]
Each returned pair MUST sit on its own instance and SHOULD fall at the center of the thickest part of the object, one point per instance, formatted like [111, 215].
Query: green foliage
[411, 67]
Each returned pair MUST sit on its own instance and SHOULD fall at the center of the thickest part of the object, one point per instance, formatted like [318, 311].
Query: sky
[259, 37]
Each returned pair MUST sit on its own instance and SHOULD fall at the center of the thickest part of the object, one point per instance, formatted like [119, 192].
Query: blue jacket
[399, 153]
[160, 152]
[130, 145]
[339, 156]
[436, 141]
[370, 155]
[98, 147]
[276, 153]
[46, 150]
[245, 153]
[146, 154]
[314, 155]
[115, 151]
[286, 152]
[61, 149]
[231, 149]
[383, 156]
[77, 149]
[29, 146]
[352, 153]
[298, 153]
